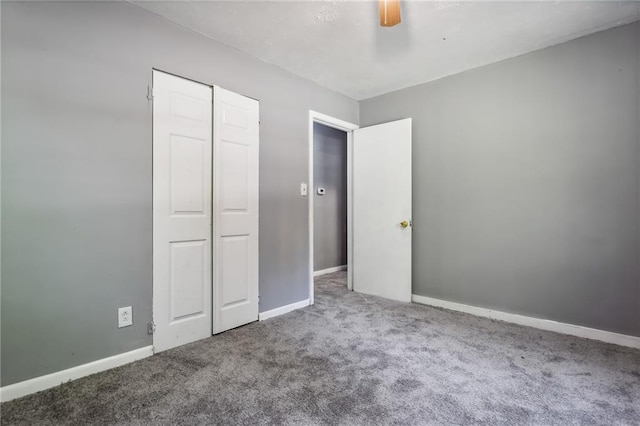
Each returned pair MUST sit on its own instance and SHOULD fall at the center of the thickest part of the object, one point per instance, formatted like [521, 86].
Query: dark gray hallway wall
[76, 174]
[527, 182]
[329, 210]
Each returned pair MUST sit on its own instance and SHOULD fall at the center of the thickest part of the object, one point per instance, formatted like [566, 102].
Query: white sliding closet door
[182, 148]
[236, 149]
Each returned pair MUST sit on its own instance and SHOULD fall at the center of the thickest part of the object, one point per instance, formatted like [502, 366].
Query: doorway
[347, 128]
[330, 199]
[379, 182]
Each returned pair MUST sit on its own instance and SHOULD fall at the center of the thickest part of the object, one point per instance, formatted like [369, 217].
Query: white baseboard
[543, 324]
[37, 384]
[283, 310]
[330, 270]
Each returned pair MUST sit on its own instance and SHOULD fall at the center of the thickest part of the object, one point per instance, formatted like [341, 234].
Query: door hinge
[150, 93]
[151, 328]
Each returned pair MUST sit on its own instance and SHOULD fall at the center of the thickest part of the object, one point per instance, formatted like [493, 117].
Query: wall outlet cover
[125, 317]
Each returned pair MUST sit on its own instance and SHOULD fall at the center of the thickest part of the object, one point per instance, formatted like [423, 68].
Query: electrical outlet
[125, 317]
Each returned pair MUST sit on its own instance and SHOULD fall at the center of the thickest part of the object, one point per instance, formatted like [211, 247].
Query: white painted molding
[330, 121]
[542, 324]
[330, 270]
[37, 384]
[283, 310]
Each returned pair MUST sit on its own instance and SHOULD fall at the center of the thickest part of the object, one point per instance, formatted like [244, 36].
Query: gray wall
[527, 182]
[76, 174]
[329, 210]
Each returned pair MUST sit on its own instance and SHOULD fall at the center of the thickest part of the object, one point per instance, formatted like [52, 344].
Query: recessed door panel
[235, 176]
[235, 116]
[188, 107]
[188, 174]
[188, 279]
[235, 270]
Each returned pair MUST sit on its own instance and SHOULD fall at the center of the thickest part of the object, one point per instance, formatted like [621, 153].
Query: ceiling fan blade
[389, 13]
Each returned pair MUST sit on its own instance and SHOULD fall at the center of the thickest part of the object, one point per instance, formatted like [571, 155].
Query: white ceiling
[339, 44]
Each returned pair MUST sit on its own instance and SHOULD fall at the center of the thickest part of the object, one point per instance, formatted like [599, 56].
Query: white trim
[37, 384]
[349, 209]
[333, 122]
[345, 126]
[542, 324]
[330, 270]
[283, 310]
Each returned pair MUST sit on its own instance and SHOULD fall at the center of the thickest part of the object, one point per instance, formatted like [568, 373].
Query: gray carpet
[358, 360]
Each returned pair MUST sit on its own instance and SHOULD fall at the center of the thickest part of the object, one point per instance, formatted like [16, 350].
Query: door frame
[348, 128]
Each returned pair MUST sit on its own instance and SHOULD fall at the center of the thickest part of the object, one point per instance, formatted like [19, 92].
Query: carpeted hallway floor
[358, 360]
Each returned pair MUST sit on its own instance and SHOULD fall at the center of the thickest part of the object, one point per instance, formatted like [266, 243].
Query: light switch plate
[303, 189]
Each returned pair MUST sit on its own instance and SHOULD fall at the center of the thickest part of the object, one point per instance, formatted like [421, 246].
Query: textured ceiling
[339, 44]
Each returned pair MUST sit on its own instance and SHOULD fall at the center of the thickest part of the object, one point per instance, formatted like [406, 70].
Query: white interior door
[381, 203]
[182, 134]
[236, 150]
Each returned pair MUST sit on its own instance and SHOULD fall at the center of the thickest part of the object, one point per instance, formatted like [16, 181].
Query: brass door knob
[405, 224]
